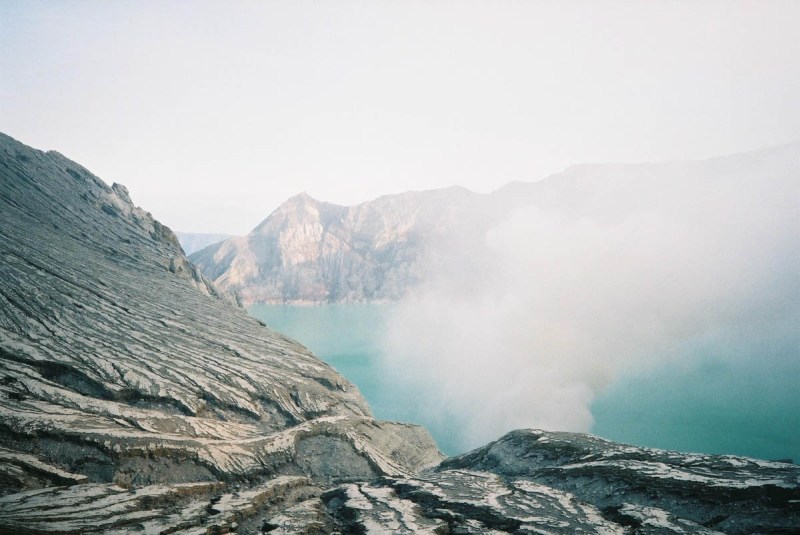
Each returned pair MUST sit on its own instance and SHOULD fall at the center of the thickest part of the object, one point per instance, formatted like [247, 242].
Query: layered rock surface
[542, 482]
[121, 364]
[135, 398]
[526, 482]
[645, 489]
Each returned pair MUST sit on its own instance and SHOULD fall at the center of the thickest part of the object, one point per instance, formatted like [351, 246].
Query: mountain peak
[301, 198]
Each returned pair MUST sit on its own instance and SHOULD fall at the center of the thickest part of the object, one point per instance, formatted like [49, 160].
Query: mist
[213, 116]
[596, 273]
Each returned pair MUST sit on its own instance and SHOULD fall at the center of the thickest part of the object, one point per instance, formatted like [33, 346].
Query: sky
[213, 113]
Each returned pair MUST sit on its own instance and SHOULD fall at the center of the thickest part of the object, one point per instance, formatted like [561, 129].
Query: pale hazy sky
[213, 113]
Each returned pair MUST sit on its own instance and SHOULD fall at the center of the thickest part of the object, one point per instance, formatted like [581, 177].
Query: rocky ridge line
[309, 251]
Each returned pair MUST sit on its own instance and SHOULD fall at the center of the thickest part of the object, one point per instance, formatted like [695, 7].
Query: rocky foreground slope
[134, 398]
[121, 364]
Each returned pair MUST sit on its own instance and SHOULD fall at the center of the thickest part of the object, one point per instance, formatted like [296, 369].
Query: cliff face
[311, 251]
[134, 398]
[120, 363]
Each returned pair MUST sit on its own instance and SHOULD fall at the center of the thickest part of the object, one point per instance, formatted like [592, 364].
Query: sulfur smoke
[575, 280]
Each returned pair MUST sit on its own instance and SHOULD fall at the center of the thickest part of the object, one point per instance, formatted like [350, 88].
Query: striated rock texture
[643, 489]
[312, 251]
[526, 482]
[540, 482]
[120, 363]
[134, 398]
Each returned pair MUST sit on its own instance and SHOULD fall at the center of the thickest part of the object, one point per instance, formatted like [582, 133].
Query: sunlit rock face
[135, 398]
[312, 251]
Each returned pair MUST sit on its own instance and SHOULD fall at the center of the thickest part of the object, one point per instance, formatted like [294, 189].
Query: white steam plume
[606, 269]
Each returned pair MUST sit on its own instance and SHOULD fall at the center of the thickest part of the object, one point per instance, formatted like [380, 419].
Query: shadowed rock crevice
[60, 373]
[135, 398]
[456, 513]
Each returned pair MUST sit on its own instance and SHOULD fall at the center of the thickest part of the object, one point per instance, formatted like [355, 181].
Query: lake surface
[710, 406]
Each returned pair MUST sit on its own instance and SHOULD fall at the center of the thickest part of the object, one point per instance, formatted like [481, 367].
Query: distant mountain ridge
[194, 241]
[313, 251]
[309, 251]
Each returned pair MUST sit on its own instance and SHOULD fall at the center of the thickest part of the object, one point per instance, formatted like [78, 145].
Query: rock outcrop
[135, 398]
[541, 482]
[526, 482]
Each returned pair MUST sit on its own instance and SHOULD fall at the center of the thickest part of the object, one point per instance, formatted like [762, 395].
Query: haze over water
[713, 403]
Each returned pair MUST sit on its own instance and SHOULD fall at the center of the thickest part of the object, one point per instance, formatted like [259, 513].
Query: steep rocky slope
[134, 398]
[120, 363]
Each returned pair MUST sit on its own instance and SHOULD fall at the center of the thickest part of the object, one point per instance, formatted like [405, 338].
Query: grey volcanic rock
[99, 302]
[135, 398]
[194, 241]
[540, 482]
[312, 251]
[533, 481]
[187, 508]
[121, 364]
[464, 502]
[643, 487]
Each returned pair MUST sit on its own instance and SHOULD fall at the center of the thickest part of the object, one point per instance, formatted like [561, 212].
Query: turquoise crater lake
[714, 405]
